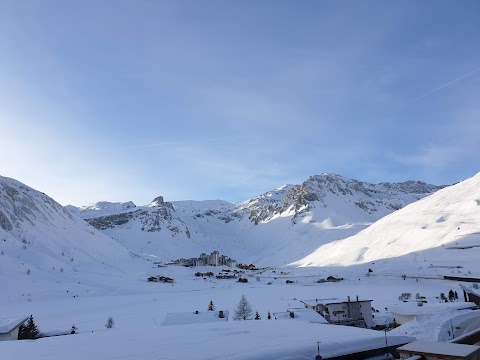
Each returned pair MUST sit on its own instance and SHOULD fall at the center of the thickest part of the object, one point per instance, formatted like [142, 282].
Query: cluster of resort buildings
[214, 259]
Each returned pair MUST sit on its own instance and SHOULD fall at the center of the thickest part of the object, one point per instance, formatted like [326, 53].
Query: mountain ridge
[326, 202]
[432, 230]
[37, 234]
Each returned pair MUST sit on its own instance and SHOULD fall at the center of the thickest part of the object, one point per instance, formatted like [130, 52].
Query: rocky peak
[158, 201]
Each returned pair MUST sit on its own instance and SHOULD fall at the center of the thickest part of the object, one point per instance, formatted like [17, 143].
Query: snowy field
[139, 309]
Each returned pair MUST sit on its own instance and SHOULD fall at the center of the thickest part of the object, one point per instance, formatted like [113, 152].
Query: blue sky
[128, 100]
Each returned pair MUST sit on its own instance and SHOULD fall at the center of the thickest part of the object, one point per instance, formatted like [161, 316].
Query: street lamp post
[318, 357]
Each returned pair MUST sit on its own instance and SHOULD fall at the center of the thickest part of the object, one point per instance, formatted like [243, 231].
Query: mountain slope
[274, 228]
[38, 235]
[432, 233]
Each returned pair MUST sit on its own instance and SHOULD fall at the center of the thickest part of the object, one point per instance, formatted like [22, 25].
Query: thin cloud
[454, 81]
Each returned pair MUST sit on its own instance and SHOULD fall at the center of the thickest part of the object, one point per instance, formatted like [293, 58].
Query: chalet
[226, 276]
[355, 313]
[159, 278]
[207, 274]
[9, 327]
[439, 350]
[247, 267]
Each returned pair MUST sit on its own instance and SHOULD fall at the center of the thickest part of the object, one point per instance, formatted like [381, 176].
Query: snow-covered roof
[232, 340]
[345, 302]
[302, 314]
[184, 318]
[470, 290]
[440, 348]
[10, 323]
[412, 309]
[338, 301]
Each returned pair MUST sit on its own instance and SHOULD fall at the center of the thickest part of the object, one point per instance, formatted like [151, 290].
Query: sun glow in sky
[128, 100]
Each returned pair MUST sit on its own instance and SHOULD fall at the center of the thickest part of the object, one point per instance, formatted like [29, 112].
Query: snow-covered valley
[275, 228]
[66, 271]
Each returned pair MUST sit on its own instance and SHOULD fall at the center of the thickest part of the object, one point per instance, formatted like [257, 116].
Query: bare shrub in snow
[110, 323]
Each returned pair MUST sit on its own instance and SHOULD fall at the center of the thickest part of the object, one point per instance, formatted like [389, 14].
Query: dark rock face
[159, 215]
[5, 224]
[19, 204]
[368, 197]
[108, 222]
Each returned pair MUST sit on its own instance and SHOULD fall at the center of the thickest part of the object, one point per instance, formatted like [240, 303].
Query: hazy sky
[128, 100]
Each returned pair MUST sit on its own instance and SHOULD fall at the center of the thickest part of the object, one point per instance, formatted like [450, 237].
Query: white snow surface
[411, 308]
[184, 318]
[105, 279]
[40, 239]
[252, 340]
[440, 232]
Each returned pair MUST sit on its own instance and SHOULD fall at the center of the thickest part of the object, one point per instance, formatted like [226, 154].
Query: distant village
[214, 259]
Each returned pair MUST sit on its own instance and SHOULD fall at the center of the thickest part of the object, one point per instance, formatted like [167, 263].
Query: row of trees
[452, 296]
[243, 310]
[30, 330]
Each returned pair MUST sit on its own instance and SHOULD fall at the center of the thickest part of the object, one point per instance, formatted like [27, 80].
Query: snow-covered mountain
[37, 235]
[441, 231]
[274, 228]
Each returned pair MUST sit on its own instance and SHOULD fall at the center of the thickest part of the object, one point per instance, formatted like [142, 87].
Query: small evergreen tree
[29, 330]
[211, 307]
[451, 295]
[443, 298]
[243, 310]
[269, 316]
[110, 323]
[456, 295]
[257, 316]
[28, 272]
[74, 329]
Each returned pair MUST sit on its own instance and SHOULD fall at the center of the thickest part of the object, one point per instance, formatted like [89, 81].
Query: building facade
[356, 313]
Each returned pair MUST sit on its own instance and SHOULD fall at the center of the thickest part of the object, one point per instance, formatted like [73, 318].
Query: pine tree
[211, 307]
[243, 310]
[456, 295]
[257, 316]
[451, 295]
[28, 331]
[269, 316]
